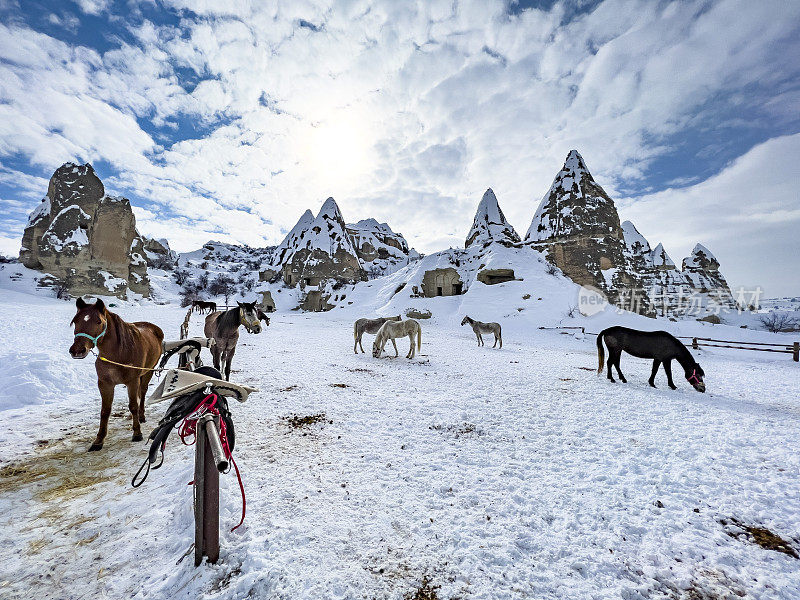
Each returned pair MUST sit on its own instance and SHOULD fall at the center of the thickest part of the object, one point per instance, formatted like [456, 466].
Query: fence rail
[697, 342]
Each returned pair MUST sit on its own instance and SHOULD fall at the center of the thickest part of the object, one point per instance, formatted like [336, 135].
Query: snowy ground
[494, 474]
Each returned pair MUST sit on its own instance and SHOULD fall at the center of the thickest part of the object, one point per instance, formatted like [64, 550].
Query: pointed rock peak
[661, 258]
[574, 162]
[575, 205]
[633, 239]
[701, 258]
[490, 224]
[330, 209]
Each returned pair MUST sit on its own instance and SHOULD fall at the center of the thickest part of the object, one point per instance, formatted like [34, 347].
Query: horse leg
[619, 372]
[477, 336]
[106, 395]
[133, 406]
[396, 353]
[495, 340]
[216, 353]
[652, 380]
[411, 349]
[228, 360]
[668, 370]
[355, 345]
[611, 356]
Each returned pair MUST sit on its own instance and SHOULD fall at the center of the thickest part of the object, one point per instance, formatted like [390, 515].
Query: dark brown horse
[661, 346]
[137, 345]
[203, 306]
[223, 326]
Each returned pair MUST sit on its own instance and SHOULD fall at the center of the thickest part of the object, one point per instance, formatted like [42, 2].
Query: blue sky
[226, 120]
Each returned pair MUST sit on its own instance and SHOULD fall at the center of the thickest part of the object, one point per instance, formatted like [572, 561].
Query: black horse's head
[465, 320]
[694, 375]
[91, 322]
[248, 316]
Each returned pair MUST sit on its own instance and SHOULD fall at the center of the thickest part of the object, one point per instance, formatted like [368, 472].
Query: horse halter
[94, 339]
[695, 377]
[247, 322]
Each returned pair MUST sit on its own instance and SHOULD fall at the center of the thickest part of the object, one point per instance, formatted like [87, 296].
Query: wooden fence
[698, 342]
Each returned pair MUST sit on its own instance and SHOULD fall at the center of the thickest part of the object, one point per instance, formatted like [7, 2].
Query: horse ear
[100, 305]
[80, 303]
[239, 303]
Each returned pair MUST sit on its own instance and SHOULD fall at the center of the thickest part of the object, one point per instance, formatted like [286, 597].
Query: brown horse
[223, 326]
[133, 344]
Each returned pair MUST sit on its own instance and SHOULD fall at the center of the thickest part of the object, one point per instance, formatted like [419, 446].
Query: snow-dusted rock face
[157, 253]
[490, 224]
[578, 227]
[381, 250]
[318, 251]
[575, 206]
[84, 237]
[702, 271]
[671, 291]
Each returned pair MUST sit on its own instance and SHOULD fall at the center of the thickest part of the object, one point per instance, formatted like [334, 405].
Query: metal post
[206, 490]
[210, 499]
[796, 352]
[199, 497]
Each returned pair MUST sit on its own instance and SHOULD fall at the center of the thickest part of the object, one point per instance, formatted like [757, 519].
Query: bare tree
[777, 322]
[222, 286]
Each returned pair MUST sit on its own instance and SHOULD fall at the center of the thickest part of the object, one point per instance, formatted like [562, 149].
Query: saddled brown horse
[137, 345]
[223, 326]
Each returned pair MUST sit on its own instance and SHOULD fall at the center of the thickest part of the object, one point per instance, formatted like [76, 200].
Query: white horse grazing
[397, 329]
[371, 326]
[480, 328]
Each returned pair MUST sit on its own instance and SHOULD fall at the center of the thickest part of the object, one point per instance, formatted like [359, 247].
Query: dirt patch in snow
[460, 430]
[427, 590]
[301, 422]
[761, 536]
[58, 470]
[339, 385]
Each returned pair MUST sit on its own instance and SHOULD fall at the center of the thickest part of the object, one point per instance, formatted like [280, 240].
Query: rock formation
[490, 224]
[158, 254]
[318, 251]
[381, 250]
[578, 227]
[701, 270]
[85, 238]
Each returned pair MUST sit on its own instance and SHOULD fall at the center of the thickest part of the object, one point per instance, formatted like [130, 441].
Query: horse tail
[419, 338]
[600, 352]
[355, 331]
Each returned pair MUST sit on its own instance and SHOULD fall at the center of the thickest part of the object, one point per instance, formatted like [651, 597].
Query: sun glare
[339, 153]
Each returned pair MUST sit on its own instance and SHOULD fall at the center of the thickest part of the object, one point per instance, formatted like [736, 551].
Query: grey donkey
[370, 326]
[479, 328]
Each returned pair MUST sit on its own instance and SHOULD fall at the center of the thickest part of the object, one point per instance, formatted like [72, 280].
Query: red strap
[188, 431]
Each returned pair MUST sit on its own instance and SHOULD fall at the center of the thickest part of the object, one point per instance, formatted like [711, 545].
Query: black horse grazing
[661, 346]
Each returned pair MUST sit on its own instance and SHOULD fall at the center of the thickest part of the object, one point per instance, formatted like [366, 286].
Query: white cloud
[420, 107]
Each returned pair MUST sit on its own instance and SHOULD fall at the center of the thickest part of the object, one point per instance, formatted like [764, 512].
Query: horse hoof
[652, 385]
[142, 419]
[137, 437]
[95, 447]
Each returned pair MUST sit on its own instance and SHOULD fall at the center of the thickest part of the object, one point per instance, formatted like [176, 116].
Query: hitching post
[208, 460]
[796, 352]
[694, 343]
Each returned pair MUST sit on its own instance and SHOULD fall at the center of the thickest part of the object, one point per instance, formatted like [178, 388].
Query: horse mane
[229, 320]
[123, 330]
